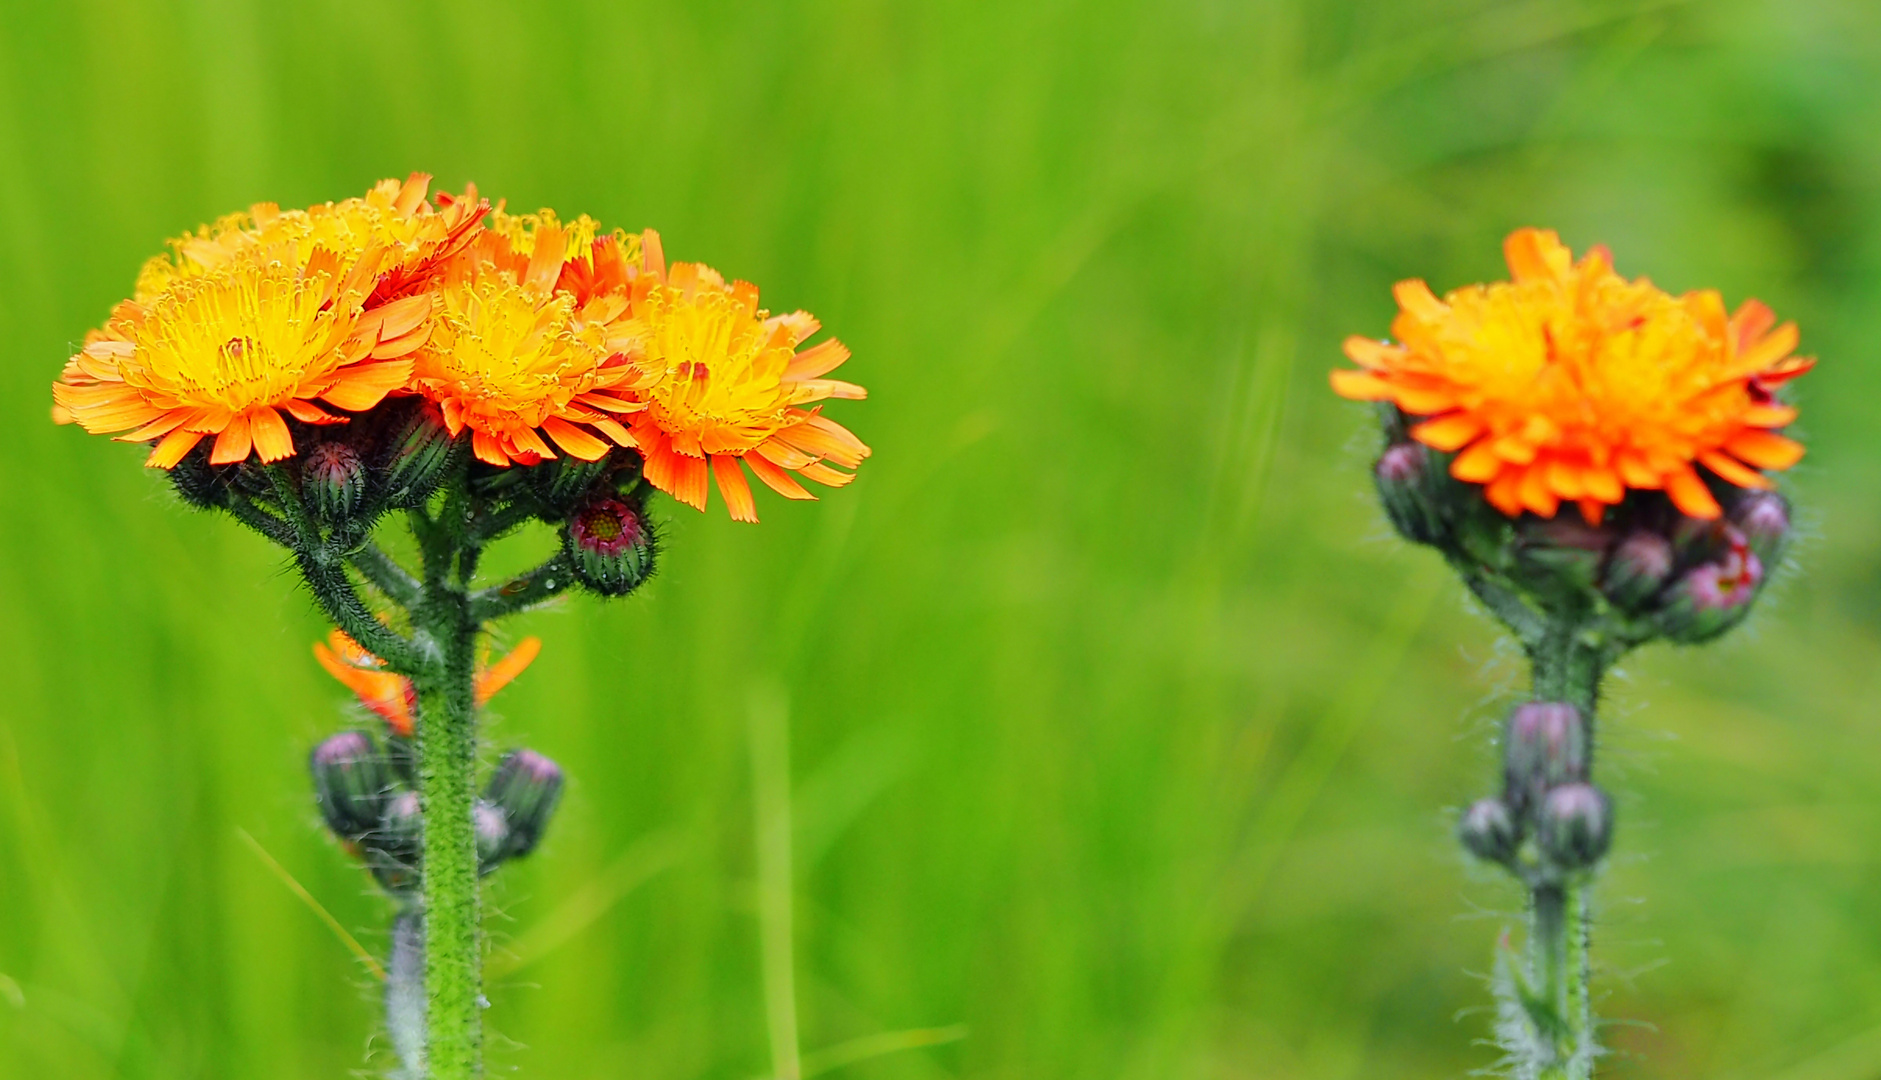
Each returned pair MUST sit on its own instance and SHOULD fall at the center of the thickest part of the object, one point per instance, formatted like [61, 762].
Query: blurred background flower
[1116, 713]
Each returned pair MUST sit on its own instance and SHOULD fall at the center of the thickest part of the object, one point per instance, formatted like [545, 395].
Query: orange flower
[1572, 383]
[523, 362]
[728, 390]
[391, 695]
[264, 314]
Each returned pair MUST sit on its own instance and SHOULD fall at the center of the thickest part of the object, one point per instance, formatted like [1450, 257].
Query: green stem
[545, 582]
[447, 758]
[387, 575]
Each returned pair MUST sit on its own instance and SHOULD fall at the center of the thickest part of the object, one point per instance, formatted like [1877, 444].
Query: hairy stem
[387, 575]
[545, 582]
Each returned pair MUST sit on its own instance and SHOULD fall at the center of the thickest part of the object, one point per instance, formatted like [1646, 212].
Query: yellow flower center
[241, 336]
[502, 350]
[722, 377]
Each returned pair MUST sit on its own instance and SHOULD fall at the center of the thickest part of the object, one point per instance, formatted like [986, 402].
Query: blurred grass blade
[849, 1053]
[770, 784]
[333, 924]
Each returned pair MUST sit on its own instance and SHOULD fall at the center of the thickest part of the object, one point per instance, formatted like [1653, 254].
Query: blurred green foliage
[1122, 731]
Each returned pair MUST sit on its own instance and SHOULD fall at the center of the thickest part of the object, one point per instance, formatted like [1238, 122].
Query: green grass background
[1120, 729]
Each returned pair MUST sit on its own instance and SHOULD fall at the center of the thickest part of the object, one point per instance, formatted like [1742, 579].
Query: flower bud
[351, 784]
[1763, 517]
[493, 836]
[1559, 556]
[418, 453]
[525, 787]
[197, 484]
[1637, 568]
[1546, 747]
[1576, 826]
[566, 481]
[611, 545]
[393, 850]
[1403, 477]
[333, 481]
[1489, 831]
[1713, 596]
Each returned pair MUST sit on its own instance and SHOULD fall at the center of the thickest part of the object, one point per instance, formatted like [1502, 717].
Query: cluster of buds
[368, 796]
[1643, 571]
[394, 458]
[1549, 822]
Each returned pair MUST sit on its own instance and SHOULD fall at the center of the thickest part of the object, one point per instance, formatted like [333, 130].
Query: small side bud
[525, 787]
[1403, 477]
[493, 836]
[418, 453]
[1546, 747]
[1637, 569]
[1576, 827]
[1763, 517]
[351, 784]
[393, 850]
[1713, 596]
[611, 546]
[1489, 831]
[333, 481]
[1560, 556]
[565, 482]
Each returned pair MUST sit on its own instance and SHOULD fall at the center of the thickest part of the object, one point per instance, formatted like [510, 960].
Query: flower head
[266, 314]
[392, 695]
[524, 363]
[1572, 383]
[729, 387]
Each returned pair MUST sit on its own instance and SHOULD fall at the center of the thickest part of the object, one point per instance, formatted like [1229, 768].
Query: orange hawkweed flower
[264, 314]
[729, 386]
[523, 362]
[1571, 383]
[391, 695]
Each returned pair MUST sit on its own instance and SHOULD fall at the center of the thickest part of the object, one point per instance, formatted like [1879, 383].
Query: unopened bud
[493, 835]
[1764, 519]
[419, 451]
[197, 484]
[1576, 826]
[1712, 597]
[333, 481]
[566, 481]
[611, 546]
[351, 784]
[525, 787]
[1403, 476]
[1559, 556]
[393, 850]
[1637, 569]
[1547, 747]
[1489, 831]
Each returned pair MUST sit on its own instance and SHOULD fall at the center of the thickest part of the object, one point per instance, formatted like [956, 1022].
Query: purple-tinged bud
[333, 481]
[1764, 519]
[1547, 746]
[351, 784]
[1637, 569]
[419, 451]
[610, 544]
[1489, 831]
[1576, 826]
[1713, 596]
[493, 836]
[393, 850]
[525, 787]
[1403, 477]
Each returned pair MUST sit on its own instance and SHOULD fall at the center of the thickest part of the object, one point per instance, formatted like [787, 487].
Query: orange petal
[488, 448]
[1360, 385]
[1372, 353]
[1452, 432]
[1690, 494]
[1423, 401]
[1477, 465]
[577, 442]
[732, 485]
[1537, 255]
[1732, 471]
[652, 255]
[1779, 344]
[1752, 320]
[504, 671]
[819, 359]
[362, 386]
[1505, 494]
[1536, 494]
[676, 474]
[1567, 479]
[233, 444]
[171, 450]
[1415, 297]
[776, 479]
[1592, 511]
[825, 475]
[1765, 449]
[1603, 485]
[1768, 416]
[308, 413]
[272, 441]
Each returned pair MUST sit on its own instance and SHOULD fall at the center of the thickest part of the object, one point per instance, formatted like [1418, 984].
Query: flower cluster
[319, 334]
